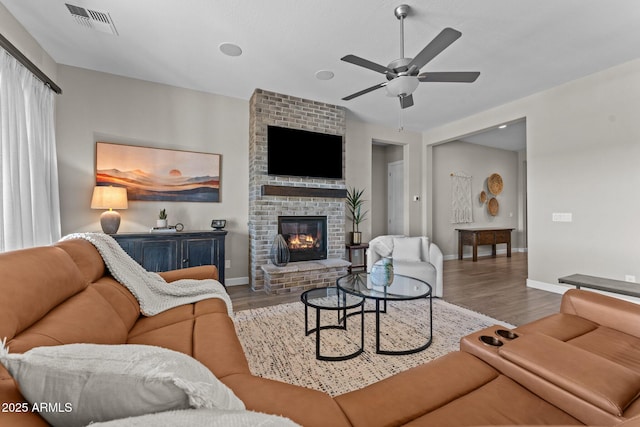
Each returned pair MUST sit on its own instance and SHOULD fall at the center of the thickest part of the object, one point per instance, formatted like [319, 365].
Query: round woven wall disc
[493, 206]
[483, 197]
[495, 184]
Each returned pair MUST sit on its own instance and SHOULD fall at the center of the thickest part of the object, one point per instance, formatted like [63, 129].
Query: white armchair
[412, 256]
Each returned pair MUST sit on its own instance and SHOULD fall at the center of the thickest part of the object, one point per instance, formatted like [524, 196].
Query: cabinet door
[129, 246]
[157, 255]
[197, 252]
[204, 251]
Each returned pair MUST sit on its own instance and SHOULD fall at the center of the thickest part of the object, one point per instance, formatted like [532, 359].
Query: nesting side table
[332, 299]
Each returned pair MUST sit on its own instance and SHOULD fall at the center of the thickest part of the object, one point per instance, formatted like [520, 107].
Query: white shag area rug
[275, 344]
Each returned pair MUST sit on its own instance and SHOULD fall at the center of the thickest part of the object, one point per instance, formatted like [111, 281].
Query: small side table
[353, 248]
[332, 299]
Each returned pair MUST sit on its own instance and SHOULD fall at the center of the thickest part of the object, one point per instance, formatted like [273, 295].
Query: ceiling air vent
[92, 19]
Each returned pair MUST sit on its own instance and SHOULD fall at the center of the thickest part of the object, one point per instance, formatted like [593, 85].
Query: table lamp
[109, 198]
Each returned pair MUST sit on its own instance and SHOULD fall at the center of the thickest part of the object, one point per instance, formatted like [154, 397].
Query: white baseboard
[561, 289]
[549, 287]
[485, 252]
[236, 281]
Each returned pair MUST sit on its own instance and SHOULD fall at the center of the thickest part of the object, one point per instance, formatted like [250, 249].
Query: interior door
[395, 197]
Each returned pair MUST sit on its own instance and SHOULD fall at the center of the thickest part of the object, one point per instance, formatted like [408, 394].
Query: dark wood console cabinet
[170, 251]
[483, 236]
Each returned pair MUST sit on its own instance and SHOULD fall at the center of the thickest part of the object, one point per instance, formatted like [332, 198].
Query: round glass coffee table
[332, 299]
[402, 288]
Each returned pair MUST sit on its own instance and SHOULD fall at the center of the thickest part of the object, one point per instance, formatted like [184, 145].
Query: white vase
[382, 272]
[161, 223]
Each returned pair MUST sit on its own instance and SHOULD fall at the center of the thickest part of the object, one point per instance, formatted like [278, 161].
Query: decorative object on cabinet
[495, 184]
[158, 173]
[162, 219]
[493, 206]
[354, 207]
[280, 254]
[169, 251]
[218, 224]
[109, 198]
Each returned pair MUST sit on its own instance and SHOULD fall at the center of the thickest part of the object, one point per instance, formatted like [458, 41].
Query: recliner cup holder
[506, 334]
[489, 340]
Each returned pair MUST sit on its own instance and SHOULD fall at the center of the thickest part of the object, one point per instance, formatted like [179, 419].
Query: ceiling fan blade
[450, 77]
[406, 101]
[356, 60]
[437, 45]
[362, 92]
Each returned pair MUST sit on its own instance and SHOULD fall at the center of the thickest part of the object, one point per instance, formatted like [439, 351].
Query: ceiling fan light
[402, 85]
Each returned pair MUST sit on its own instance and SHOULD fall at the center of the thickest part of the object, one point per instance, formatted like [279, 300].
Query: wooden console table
[483, 236]
[169, 251]
[609, 285]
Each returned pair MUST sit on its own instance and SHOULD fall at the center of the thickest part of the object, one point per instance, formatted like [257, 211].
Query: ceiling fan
[403, 74]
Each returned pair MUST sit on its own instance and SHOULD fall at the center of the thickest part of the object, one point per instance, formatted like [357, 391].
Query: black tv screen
[296, 152]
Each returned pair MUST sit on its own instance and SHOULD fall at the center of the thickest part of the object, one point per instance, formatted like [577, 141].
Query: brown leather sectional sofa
[581, 366]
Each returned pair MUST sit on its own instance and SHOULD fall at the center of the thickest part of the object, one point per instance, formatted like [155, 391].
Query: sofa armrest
[599, 381]
[436, 258]
[307, 407]
[200, 272]
[614, 313]
[372, 258]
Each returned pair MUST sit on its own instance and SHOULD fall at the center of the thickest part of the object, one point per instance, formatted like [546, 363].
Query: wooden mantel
[290, 191]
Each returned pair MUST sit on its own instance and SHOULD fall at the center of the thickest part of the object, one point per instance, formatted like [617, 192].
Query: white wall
[583, 150]
[479, 162]
[104, 107]
[13, 31]
[359, 138]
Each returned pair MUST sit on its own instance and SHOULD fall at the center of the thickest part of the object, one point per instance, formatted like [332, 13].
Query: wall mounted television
[296, 152]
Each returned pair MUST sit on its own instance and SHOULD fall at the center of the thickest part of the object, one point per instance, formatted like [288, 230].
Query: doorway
[395, 197]
[387, 158]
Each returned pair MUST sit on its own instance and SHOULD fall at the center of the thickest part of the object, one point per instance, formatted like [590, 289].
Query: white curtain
[461, 203]
[29, 199]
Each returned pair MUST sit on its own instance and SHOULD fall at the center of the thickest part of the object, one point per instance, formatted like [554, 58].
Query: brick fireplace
[271, 197]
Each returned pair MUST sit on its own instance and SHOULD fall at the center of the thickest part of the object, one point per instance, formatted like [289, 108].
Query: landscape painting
[159, 174]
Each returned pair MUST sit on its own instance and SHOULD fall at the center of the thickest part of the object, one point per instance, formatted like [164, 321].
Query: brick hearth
[269, 108]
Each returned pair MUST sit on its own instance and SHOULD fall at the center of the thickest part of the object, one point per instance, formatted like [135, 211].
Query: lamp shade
[402, 85]
[109, 198]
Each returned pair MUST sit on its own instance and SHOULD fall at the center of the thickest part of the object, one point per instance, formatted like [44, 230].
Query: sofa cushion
[34, 281]
[611, 344]
[454, 390]
[209, 337]
[84, 318]
[85, 256]
[407, 249]
[100, 383]
[601, 382]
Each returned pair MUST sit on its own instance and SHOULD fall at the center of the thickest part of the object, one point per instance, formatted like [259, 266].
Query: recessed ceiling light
[230, 49]
[324, 75]
[502, 126]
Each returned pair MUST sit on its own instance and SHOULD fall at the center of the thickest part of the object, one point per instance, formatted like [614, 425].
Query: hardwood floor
[493, 286]
[497, 287]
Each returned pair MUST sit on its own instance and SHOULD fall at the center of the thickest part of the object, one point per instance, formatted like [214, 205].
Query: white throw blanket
[153, 293]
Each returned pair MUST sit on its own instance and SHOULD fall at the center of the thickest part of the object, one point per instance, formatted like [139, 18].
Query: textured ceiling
[520, 47]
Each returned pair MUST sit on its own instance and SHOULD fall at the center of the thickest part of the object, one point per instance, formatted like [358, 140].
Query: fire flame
[302, 241]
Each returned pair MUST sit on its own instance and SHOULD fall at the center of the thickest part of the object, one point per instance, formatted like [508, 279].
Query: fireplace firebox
[306, 236]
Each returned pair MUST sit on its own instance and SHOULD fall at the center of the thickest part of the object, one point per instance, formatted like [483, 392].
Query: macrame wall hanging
[461, 203]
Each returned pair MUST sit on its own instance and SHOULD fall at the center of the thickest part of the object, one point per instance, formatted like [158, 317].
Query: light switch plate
[562, 217]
